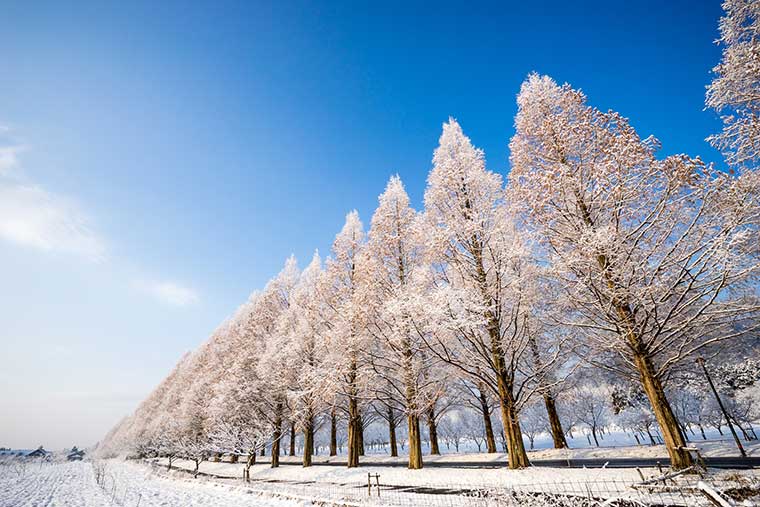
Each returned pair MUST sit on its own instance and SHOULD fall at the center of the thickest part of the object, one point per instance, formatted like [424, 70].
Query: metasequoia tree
[272, 367]
[301, 325]
[240, 427]
[735, 91]
[397, 356]
[480, 268]
[346, 338]
[657, 257]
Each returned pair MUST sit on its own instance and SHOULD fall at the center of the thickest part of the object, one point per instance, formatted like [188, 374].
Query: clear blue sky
[159, 161]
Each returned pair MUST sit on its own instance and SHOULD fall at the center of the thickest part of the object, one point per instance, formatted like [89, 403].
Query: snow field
[123, 484]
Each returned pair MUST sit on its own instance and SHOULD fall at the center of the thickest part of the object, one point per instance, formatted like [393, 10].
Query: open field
[115, 483]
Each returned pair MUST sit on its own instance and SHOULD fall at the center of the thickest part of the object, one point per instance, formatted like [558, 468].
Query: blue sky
[159, 161]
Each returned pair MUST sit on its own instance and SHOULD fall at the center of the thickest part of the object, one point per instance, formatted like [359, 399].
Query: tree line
[593, 259]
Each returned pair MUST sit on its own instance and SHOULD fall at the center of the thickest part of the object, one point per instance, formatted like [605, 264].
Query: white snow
[126, 484]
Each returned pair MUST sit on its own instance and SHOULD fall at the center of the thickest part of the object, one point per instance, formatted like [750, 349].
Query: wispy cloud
[170, 293]
[33, 217]
[9, 159]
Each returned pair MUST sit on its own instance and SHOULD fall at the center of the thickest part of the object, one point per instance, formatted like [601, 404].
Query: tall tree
[273, 372]
[656, 256]
[735, 91]
[346, 334]
[302, 325]
[391, 256]
[480, 269]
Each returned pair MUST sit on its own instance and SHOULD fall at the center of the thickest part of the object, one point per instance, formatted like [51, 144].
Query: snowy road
[125, 485]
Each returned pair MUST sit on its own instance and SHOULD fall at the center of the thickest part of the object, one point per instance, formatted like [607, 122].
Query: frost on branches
[574, 298]
[735, 91]
[658, 257]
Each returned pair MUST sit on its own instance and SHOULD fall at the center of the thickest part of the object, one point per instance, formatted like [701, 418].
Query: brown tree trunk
[392, 431]
[308, 440]
[486, 411]
[555, 426]
[360, 433]
[671, 432]
[353, 433]
[415, 442]
[248, 463]
[292, 439]
[516, 454]
[433, 432]
[276, 437]
[333, 434]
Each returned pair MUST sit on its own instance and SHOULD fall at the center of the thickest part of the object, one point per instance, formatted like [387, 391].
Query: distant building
[75, 454]
[24, 453]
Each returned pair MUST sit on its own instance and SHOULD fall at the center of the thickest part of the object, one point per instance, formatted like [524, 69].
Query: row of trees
[595, 255]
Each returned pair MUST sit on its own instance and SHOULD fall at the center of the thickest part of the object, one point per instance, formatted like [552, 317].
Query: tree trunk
[392, 431]
[516, 454]
[702, 431]
[308, 440]
[433, 431]
[333, 434]
[558, 435]
[555, 426]
[277, 436]
[486, 411]
[250, 461]
[292, 439]
[353, 433]
[671, 432]
[415, 442]
[360, 432]
[593, 433]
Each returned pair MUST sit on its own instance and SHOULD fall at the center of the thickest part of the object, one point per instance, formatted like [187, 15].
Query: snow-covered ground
[40, 484]
[124, 484]
[450, 487]
[138, 484]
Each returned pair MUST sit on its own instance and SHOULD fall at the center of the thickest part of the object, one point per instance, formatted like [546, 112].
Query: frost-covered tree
[346, 337]
[534, 421]
[397, 355]
[657, 257]
[301, 325]
[274, 375]
[483, 293]
[480, 399]
[735, 91]
[591, 406]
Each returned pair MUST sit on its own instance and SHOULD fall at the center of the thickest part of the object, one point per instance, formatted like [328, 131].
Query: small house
[75, 454]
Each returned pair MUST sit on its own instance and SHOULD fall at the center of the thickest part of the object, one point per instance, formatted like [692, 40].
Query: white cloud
[170, 293]
[33, 217]
[8, 159]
